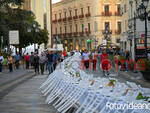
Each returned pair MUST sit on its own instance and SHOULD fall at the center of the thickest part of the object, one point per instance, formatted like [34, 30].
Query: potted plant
[146, 70]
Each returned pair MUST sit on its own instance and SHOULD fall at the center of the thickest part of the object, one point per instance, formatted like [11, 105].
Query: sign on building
[14, 37]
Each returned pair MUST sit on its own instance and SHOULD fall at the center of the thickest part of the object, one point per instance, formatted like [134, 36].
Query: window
[118, 8]
[88, 9]
[89, 27]
[82, 27]
[60, 15]
[106, 8]
[56, 30]
[107, 26]
[76, 27]
[76, 12]
[65, 29]
[55, 16]
[81, 11]
[60, 30]
[119, 25]
[70, 28]
[70, 13]
[117, 40]
[65, 14]
[125, 8]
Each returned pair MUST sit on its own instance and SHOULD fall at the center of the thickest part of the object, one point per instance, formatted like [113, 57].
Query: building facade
[72, 23]
[42, 12]
[107, 16]
[76, 22]
[133, 29]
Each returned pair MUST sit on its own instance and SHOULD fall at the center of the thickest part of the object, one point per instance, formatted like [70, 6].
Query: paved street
[26, 98]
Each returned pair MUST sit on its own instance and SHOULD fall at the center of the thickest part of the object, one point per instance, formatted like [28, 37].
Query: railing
[88, 32]
[64, 19]
[75, 17]
[117, 13]
[118, 32]
[54, 21]
[69, 34]
[88, 14]
[109, 31]
[81, 16]
[64, 34]
[106, 13]
[70, 18]
[81, 33]
[59, 20]
[75, 33]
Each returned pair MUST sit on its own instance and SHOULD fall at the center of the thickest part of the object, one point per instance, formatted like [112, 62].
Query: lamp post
[143, 15]
[35, 30]
[107, 34]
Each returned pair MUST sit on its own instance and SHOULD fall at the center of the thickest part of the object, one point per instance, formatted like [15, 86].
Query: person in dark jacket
[50, 60]
[36, 63]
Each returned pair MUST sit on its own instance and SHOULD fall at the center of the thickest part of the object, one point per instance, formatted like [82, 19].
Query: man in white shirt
[86, 59]
[1, 61]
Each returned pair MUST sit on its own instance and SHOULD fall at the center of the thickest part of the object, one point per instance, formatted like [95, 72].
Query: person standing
[50, 59]
[94, 59]
[31, 60]
[36, 63]
[43, 60]
[117, 62]
[26, 58]
[86, 56]
[1, 61]
[55, 60]
[10, 62]
[17, 60]
[103, 57]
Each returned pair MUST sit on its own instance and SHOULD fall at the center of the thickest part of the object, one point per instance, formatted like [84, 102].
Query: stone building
[76, 22]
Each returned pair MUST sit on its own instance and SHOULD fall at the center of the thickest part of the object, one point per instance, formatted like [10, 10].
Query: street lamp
[107, 34]
[35, 30]
[143, 15]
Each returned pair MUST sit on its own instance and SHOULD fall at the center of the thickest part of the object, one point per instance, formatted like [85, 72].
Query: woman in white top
[86, 59]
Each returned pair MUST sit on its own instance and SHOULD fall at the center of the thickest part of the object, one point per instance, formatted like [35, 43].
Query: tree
[19, 19]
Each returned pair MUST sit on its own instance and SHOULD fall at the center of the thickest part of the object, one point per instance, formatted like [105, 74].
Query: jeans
[42, 67]
[27, 64]
[36, 67]
[10, 67]
[50, 67]
[0, 67]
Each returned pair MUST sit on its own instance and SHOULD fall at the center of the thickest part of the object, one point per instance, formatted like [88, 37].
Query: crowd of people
[92, 60]
[47, 60]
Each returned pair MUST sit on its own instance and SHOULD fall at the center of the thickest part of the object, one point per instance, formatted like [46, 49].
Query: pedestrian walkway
[7, 76]
[26, 98]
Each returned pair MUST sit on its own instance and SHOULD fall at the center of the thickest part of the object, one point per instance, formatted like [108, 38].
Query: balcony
[75, 33]
[109, 31]
[70, 18]
[54, 21]
[59, 20]
[64, 34]
[88, 14]
[106, 13]
[88, 32]
[81, 16]
[118, 32]
[54, 35]
[64, 19]
[75, 17]
[59, 35]
[81, 33]
[117, 13]
[70, 34]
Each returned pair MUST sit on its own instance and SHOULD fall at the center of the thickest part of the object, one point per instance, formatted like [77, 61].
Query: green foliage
[147, 64]
[19, 19]
[141, 97]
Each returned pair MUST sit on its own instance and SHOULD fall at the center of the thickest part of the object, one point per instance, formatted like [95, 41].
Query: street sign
[14, 37]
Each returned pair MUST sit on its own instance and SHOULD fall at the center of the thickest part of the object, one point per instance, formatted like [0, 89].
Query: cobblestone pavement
[26, 98]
